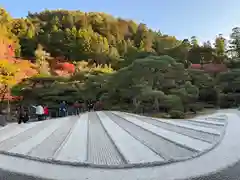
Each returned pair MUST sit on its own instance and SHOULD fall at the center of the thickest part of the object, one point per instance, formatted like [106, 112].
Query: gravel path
[199, 130]
[203, 124]
[164, 148]
[74, 148]
[26, 146]
[24, 136]
[131, 149]
[12, 131]
[101, 149]
[179, 139]
[212, 138]
[49, 146]
[229, 173]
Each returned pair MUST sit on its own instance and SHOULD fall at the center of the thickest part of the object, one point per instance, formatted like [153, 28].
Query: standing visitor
[20, 114]
[76, 107]
[26, 116]
[39, 112]
[90, 105]
[63, 109]
[46, 112]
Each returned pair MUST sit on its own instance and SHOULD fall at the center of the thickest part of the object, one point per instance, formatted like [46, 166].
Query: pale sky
[182, 18]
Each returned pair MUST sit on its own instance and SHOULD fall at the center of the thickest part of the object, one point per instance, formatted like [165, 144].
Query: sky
[181, 18]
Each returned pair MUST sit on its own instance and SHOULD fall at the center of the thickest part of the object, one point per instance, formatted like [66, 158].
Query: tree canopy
[101, 38]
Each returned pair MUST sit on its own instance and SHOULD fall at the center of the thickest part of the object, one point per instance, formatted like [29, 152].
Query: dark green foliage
[206, 85]
[148, 85]
[229, 83]
[176, 114]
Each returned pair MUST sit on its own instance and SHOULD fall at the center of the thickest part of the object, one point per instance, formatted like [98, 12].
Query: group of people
[42, 112]
[79, 107]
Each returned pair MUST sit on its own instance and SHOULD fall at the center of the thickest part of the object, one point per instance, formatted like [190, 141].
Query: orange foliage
[24, 68]
[6, 48]
[66, 67]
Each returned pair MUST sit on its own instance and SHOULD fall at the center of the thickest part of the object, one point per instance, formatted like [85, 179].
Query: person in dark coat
[63, 109]
[21, 115]
[26, 117]
[90, 105]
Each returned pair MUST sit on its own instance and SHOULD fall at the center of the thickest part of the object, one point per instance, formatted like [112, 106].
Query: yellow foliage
[103, 69]
[13, 72]
[83, 66]
[7, 73]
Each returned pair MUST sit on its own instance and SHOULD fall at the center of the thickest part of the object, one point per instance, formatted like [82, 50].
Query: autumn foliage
[65, 66]
[13, 72]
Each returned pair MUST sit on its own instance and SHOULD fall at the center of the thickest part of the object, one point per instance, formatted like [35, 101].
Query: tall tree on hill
[201, 55]
[194, 41]
[41, 59]
[207, 44]
[4, 16]
[143, 38]
[8, 73]
[220, 48]
[78, 36]
[235, 42]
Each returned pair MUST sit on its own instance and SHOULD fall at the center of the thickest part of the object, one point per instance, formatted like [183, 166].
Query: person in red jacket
[46, 112]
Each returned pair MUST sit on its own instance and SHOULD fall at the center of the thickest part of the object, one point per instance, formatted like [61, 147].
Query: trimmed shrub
[174, 114]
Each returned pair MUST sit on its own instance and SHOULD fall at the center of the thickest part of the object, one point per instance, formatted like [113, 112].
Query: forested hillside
[126, 65]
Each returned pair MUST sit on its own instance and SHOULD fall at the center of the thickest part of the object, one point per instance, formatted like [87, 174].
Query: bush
[196, 107]
[173, 102]
[174, 114]
[209, 106]
[229, 100]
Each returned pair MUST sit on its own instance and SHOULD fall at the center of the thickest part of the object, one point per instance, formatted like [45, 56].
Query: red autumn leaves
[65, 66]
